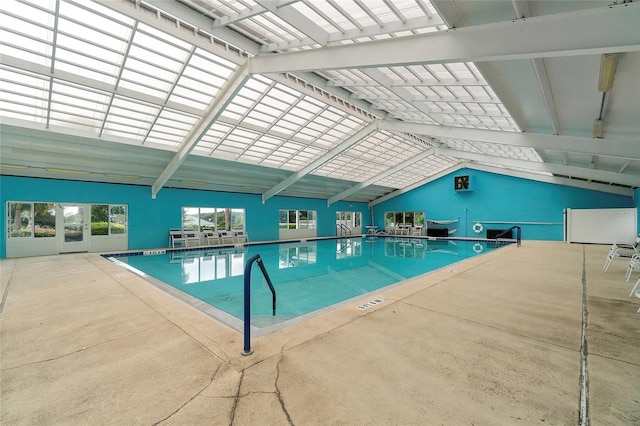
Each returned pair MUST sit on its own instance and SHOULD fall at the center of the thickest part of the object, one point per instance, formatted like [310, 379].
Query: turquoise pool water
[307, 276]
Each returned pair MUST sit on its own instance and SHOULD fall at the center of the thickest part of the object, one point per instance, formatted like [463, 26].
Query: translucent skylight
[98, 71]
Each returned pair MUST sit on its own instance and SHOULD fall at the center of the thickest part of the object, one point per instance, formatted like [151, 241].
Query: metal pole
[247, 305]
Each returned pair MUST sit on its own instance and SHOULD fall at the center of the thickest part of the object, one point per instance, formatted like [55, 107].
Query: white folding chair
[633, 290]
[210, 237]
[635, 260]
[621, 250]
[240, 237]
[225, 237]
[176, 237]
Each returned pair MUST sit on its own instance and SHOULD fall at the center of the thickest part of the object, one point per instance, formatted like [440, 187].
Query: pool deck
[494, 340]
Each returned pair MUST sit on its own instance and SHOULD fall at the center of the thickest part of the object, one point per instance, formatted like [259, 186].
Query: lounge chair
[635, 287]
[622, 250]
[240, 237]
[210, 237]
[225, 237]
[192, 238]
[176, 237]
[635, 260]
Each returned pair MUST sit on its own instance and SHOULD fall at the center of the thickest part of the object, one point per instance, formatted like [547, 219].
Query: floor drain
[371, 303]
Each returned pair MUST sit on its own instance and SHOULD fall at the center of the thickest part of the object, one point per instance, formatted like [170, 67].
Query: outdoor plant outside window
[108, 219]
[350, 219]
[212, 218]
[31, 220]
[297, 219]
[404, 218]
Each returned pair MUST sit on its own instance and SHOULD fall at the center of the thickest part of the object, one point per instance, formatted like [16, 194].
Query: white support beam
[573, 171]
[174, 9]
[522, 10]
[547, 93]
[419, 23]
[228, 91]
[382, 175]
[343, 146]
[627, 192]
[581, 145]
[593, 31]
[291, 16]
[618, 190]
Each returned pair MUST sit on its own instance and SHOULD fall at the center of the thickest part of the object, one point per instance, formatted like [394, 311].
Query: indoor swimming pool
[308, 277]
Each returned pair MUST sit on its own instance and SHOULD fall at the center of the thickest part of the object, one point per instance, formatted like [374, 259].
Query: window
[108, 219]
[404, 218]
[28, 220]
[297, 219]
[118, 219]
[297, 255]
[349, 219]
[212, 218]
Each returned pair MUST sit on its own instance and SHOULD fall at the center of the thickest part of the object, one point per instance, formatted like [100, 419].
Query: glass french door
[75, 224]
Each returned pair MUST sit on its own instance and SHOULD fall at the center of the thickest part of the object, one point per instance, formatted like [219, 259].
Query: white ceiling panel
[224, 81]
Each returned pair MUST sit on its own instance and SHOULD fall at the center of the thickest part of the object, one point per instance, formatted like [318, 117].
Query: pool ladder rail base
[247, 299]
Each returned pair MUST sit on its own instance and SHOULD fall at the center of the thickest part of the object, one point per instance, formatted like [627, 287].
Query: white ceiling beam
[581, 145]
[343, 146]
[336, 38]
[547, 94]
[522, 10]
[224, 97]
[192, 19]
[577, 172]
[371, 181]
[593, 31]
[618, 190]
[411, 83]
[297, 20]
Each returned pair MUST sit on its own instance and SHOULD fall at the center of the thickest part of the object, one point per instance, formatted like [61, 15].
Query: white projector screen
[601, 226]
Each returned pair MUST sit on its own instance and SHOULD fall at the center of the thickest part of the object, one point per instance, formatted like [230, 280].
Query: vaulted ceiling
[355, 100]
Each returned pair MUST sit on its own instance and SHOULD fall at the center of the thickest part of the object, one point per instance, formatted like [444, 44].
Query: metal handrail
[518, 234]
[247, 299]
[344, 229]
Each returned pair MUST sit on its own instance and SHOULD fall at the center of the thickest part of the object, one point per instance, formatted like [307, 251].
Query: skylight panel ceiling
[98, 71]
[304, 126]
[498, 150]
[417, 171]
[23, 95]
[77, 107]
[370, 157]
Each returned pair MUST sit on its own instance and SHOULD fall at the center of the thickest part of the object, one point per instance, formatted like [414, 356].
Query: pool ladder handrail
[506, 231]
[344, 230]
[247, 299]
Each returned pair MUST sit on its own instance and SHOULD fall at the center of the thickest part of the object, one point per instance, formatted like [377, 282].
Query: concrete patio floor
[494, 340]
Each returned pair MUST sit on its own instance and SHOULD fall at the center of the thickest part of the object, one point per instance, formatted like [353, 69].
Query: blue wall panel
[150, 220]
[495, 197]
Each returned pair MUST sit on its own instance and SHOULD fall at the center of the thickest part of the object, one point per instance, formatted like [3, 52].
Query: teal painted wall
[493, 198]
[150, 220]
[497, 197]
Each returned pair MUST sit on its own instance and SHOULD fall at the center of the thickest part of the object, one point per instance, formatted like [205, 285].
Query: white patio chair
[191, 238]
[633, 262]
[240, 237]
[225, 237]
[176, 237]
[622, 250]
[635, 287]
[210, 237]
